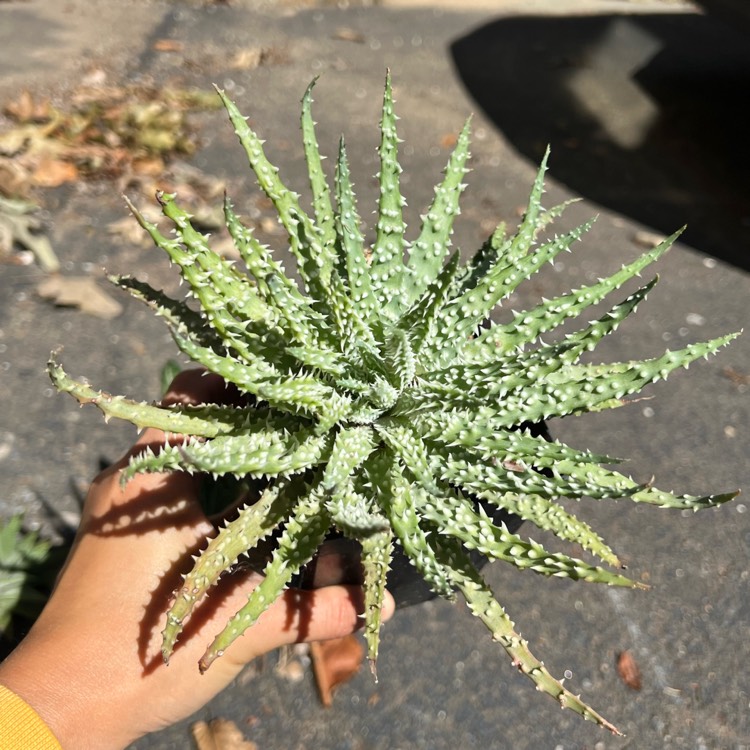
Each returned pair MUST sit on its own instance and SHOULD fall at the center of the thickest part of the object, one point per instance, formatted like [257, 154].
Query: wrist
[21, 725]
[75, 704]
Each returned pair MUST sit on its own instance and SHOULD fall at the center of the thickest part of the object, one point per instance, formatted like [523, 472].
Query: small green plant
[28, 568]
[381, 406]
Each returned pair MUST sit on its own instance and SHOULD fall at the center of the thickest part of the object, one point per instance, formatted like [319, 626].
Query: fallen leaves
[129, 231]
[105, 132]
[740, 379]
[82, 292]
[347, 34]
[25, 109]
[168, 45]
[14, 179]
[130, 133]
[290, 663]
[197, 190]
[247, 59]
[335, 662]
[220, 734]
[628, 669]
[51, 172]
[19, 225]
[449, 140]
[648, 239]
[199, 193]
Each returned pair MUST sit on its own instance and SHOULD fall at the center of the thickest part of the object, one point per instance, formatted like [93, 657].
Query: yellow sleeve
[21, 727]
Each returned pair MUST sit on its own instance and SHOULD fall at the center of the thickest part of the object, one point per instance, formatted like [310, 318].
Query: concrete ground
[640, 101]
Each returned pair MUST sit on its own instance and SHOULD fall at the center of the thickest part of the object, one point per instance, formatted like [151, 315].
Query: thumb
[305, 615]
[328, 612]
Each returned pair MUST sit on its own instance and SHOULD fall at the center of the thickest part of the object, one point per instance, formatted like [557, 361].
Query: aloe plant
[384, 401]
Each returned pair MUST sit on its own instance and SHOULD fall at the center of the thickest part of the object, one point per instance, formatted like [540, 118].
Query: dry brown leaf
[628, 670]
[168, 45]
[648, 239]
[149, 165]
[20, 226]
[270, 225]
[346, 34]
[129, 230]
[95, 77]
[204, 185]
[449, 140]
[21, 108]
[14, 179]
[82, 292]
[54, 172]
[15, 141]
[25, 109]
[246, 59]
[737, 377]
[335, 662]
[289, 666]
[104, 131]
[220, 734]
[94, 93]
[225, 247]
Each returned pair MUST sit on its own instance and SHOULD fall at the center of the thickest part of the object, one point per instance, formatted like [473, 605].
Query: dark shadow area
[645, 114]
[733, 11]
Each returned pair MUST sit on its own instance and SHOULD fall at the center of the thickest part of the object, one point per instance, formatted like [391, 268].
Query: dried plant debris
[348, 34]
[198, 190]
[168, 45]
[249, 58]
[334, 663]
[131, 133]
[628, 669]
[105, 131]
[220, 734]
[740, 379]
[20, 227]
[292, 662]
[82, 292]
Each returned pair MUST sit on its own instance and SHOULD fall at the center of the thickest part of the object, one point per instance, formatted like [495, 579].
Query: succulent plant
[384, 403]
[29, 566]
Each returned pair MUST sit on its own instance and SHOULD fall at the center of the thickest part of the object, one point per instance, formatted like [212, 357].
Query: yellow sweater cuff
[21, 727]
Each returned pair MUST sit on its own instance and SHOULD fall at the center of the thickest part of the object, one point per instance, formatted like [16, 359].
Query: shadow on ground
[643, 114]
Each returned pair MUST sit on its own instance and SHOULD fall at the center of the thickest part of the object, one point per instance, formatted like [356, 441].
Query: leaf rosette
[384, 398]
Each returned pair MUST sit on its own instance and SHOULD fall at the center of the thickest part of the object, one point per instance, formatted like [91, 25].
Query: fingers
[156, 491]
[196, 386]
[311, 615]
[329, 612]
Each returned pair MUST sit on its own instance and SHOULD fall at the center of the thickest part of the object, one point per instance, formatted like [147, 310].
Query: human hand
[92, 666]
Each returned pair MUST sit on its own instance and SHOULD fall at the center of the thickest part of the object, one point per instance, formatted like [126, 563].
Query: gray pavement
[639, 132]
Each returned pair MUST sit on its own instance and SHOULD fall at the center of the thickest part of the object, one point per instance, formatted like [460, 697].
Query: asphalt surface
[640, 103]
